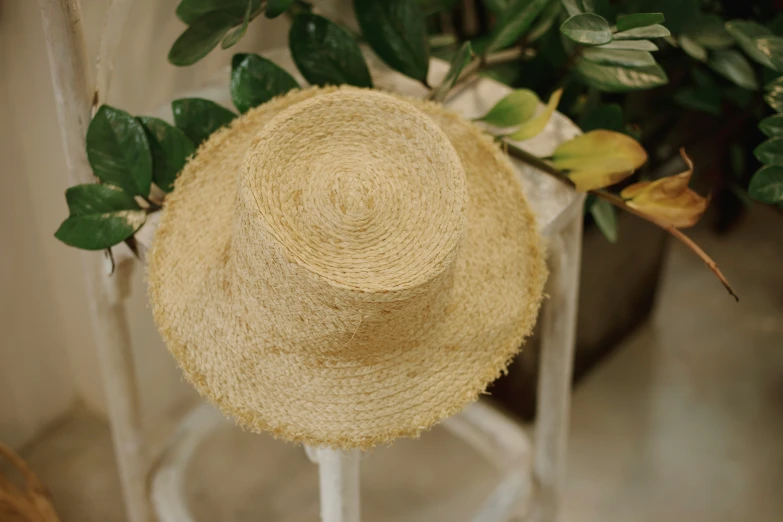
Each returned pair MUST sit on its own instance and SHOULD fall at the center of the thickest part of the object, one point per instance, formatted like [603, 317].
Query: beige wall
[48, 358]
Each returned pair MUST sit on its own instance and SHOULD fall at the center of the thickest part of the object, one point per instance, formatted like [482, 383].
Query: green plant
[672, 73]
[589, 57]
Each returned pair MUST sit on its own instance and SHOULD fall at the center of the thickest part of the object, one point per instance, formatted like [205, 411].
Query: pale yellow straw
[342, 267]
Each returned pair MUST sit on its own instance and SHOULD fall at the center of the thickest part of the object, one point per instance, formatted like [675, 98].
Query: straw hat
[342, 267]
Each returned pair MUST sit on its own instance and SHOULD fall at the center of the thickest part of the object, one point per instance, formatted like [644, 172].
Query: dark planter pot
[618, 287]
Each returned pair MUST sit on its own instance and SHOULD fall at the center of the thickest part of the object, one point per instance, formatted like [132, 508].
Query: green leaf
[679, 14]
[275, 8]
[100, 217]
[199, 118]
[735, 67]
[642, 33]
[515, 21]
[590, 198]
[693, 48]
[710, 31]
[775, 100]
[396, 31]
[496, 6]
[505, 72]
[256, 80]
[438, 41]
[745, 32]
[770, 152]
[118, 151]
[772, 126]
[200, 38]
[772, 48]
[609, 117]
[234, 36]
[632, 21]
[96, 198]
[587, 29]
[458, 62]
[191, 10]
[766, 185]
[774, 85]
[100, 231]
[536, 125]
[699, 99]
[770, 79]
[480, 44]
[605, 217]
[430, 7]
[573, 7]
[618, 57]
[325, 53]
[600, 7]
[544, 21]
[630, 45]
[514, 109]
[610, 78]
[170, 148]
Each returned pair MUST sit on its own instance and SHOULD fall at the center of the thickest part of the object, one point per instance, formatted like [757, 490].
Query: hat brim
[497, 288]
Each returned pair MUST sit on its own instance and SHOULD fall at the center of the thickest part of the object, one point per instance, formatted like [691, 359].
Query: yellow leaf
[534, 126]
[599, 158]
[669, 199]
[587, 180]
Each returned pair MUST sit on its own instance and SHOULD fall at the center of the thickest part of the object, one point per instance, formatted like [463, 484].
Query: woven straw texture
[342, 267]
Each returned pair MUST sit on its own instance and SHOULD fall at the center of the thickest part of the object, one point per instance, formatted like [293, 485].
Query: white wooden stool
[153, 467]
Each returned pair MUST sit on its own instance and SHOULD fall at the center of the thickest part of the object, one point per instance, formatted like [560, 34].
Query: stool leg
[556, 369]
[338, 474]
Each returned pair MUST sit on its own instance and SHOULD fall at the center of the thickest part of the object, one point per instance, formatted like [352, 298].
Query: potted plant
[593, 60]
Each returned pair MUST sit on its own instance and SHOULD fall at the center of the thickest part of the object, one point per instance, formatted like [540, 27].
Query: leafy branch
[599, 159]
[136, 159]
[674, 231]
[213, 22]
[620, 203]
[612, 59]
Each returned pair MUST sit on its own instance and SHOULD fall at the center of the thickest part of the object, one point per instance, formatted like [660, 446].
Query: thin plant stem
[565, 70]
[618, 202]
[479, 64]
[674, 231]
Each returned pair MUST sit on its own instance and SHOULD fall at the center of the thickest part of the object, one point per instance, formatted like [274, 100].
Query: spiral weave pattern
[365, 221]
[342, 267]
[360, 189]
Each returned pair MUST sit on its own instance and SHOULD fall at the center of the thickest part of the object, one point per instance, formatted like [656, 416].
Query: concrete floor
[683, 422]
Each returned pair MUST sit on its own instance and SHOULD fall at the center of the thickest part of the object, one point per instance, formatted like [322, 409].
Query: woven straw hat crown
[342, 267]
[350, 213]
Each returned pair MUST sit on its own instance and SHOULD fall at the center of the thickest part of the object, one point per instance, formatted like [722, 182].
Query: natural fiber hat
[342, 267]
